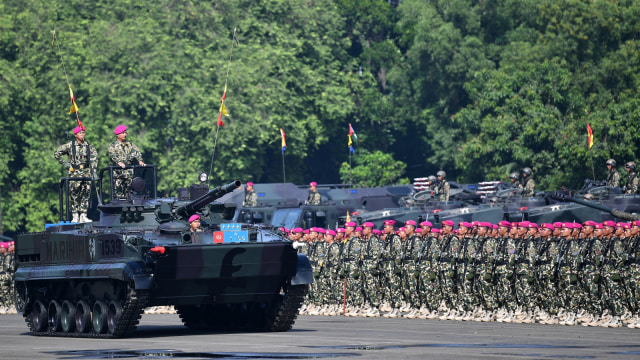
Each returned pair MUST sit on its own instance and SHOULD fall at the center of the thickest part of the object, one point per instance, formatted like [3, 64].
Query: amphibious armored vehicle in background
[95, 279]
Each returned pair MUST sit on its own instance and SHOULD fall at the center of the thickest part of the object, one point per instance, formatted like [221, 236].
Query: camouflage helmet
[611, 162]
[526, 171]
[514, 175]
[442, 173]
[432, 178]
[631, 165]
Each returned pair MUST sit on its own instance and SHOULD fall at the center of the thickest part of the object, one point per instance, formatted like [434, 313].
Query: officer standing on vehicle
[314, 196]
[123, 153]
[250, 196]
[81, 160]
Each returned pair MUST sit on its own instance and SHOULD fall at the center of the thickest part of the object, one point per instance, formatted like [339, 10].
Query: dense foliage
[478, 88]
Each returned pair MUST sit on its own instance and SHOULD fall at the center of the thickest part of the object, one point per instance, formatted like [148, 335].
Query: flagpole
[215, 142]
[284, 177]
[66, 76]
[350, 180]
[592, 168]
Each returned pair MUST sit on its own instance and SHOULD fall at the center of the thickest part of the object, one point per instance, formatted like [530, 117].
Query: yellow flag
[223, 110]
[74, 106]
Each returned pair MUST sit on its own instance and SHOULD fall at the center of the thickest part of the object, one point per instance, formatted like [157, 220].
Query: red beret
[389, 222]
[194, 217]
[426, 223]
[447, 223]
[368, 224]
[410, 222]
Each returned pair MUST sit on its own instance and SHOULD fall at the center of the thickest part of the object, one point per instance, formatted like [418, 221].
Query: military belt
[546, 262]
[348, 259]
[368, 258]
[445, 259]
[80, 165]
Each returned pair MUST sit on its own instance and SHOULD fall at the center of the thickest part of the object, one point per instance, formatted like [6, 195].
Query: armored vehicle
[95, 279]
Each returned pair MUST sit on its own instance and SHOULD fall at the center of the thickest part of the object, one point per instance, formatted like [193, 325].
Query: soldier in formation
[80, 159]
[7, 270]
[563, 273]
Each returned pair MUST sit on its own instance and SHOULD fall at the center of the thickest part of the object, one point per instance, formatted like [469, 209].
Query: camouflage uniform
[391, 263]
[428, 267]
[615, 273]
[485, 269]
[547, 269]
[314, 198]
[352, 256]
[319, 254]
[411, 272]
[634, 274]
[632, 184]
[124, 152]
[448, 263]
[83, 159]
[613, 178]
[330, 274]
[568, 286]
[526, 257]
[591, 279]
[505, 266]
[468, 298]
[371, 270]
[250, 199]
[528, 188]
[6, 280]
[443, 190]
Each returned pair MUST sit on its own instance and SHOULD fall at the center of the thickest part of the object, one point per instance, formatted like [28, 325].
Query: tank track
[131, 313]
[288, 311]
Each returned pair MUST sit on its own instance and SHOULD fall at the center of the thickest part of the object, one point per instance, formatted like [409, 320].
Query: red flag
[590, 136]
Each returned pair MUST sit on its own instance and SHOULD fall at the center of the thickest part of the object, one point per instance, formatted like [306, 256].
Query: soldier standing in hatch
[314, 196]
[632, 179]
[123, 153]
[81, 160]
[250, 196]
[528, 186]
[443, 186]
[613, 176]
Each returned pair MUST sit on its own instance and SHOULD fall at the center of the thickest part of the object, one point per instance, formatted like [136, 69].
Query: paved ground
[163, 336]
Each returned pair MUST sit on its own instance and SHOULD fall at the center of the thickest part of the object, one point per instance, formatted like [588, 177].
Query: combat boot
[75, 218]
[83, 218]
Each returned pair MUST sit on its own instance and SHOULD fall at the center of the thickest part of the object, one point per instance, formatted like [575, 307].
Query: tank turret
[560, 196]
[95, 279]
[196, 205]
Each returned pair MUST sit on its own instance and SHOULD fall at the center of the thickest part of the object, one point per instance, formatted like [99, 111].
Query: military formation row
[565, 273]
[80, 159]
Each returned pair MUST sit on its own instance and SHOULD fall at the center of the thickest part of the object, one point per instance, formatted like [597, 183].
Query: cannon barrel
[196, 205]
[615, 212]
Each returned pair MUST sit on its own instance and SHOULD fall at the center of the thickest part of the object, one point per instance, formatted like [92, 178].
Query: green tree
[373, 169]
